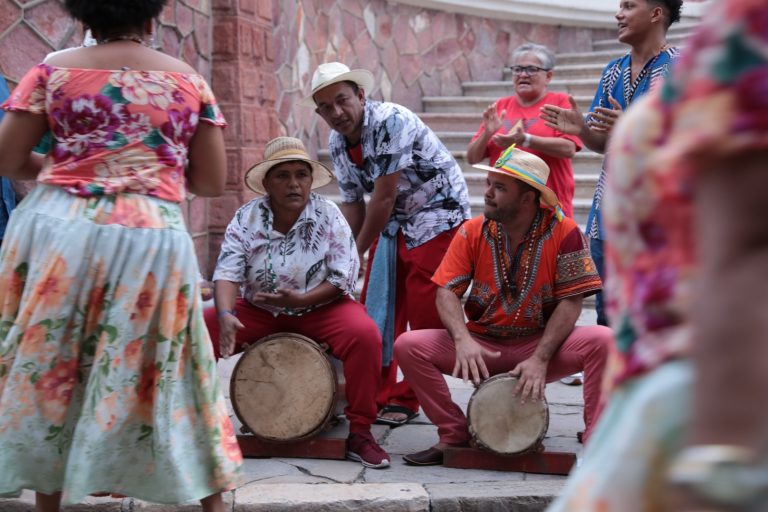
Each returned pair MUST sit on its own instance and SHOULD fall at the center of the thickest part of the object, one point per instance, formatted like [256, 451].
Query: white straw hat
[285, 149]
[335, 72]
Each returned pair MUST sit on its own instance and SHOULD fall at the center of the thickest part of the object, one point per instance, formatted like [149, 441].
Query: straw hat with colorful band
[335, 72]
[285, 149]
[528, 168]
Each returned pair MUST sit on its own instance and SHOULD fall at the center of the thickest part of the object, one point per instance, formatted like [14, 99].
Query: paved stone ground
[284, 484]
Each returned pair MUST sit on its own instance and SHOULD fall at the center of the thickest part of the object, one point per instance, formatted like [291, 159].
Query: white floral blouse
[319, 247]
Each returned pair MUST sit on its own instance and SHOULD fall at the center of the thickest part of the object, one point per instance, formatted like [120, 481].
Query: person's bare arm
[355, 215]
[378, 211]
[552, 146]
[207, 171]
[286, 298]
[19, 133]
[469, 354]
[491, 124]
[532, 372]
[225, 295]
[571, 121]
[730, 347]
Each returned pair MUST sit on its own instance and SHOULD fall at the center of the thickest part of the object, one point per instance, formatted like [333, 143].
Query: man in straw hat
[292, 257]
[530, 268]
[418, 200]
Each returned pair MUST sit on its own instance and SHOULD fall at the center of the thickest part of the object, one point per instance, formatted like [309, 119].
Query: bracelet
[526, 140]
[227, 312]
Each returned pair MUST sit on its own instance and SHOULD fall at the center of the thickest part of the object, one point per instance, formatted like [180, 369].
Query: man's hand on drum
[531, 378]
[281, 298]
[469, 361]
[228, 327]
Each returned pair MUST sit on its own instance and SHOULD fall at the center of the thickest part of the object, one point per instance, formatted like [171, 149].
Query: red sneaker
[363, 448]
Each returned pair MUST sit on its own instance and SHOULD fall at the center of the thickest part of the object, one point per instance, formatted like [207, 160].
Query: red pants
[426, 355]
[343, 325]
[414, 305]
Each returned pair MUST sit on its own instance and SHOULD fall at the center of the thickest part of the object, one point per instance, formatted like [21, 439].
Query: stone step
[585, 162]
[596, 58]
[574, 86]
[675, 39]
[572, 71]
[456, 121]
[477, 104]
[585, 184]
[581, 206]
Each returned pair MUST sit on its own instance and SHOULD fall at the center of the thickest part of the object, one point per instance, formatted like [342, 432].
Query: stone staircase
[456, 118]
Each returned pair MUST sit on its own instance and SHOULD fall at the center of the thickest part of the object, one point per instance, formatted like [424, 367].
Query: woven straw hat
[525, 167]
[285, 149]
[335, 72]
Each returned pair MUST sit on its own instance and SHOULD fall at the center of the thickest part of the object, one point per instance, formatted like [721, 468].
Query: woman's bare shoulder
[123, 57]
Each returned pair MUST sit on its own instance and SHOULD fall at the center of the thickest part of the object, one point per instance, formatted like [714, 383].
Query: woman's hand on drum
[470, 362]
[531, 378]
[228, 327]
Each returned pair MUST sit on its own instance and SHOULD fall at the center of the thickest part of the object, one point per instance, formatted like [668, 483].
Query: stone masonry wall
[244, 83]
[412, 52]
[29, 29]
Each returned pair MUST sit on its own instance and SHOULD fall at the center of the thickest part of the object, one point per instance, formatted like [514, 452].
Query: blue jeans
[596, 248]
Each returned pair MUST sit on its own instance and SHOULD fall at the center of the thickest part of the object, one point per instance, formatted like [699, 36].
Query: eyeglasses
[528, 70]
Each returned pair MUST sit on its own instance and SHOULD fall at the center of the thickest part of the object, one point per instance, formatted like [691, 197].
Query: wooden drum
[284, 388]
[498, 422]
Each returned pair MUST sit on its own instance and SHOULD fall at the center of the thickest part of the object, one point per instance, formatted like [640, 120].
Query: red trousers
[343, 325]
[426, 355]
[414, 305]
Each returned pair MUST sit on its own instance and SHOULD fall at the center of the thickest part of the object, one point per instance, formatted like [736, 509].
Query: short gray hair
[544, 54]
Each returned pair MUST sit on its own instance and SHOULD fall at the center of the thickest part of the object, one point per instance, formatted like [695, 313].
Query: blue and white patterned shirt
[432, 194]
[616, 81]
[319, 247]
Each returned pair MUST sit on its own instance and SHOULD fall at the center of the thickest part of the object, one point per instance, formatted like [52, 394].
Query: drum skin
[498, 422]
[283, 388]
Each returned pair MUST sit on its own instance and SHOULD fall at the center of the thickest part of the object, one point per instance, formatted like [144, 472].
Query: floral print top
[319, 247]
[432, 195]
[117, 130]
[713, 106]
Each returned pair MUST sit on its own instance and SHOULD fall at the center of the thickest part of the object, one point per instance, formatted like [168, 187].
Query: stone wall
[412, 52]
[29, 29]
[244, 82]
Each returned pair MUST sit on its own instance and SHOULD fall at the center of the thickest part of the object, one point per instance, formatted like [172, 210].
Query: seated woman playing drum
[292, 256]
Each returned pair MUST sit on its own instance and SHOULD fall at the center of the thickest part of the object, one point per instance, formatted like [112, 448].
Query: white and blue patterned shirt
[319, 247]
[432, 194]
[616, 81]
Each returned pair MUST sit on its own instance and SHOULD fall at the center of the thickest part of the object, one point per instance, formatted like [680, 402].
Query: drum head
[283, 387]
[500, 423]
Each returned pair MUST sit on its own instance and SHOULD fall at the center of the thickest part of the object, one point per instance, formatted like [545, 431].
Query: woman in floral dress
[107, 378]
[686, 234]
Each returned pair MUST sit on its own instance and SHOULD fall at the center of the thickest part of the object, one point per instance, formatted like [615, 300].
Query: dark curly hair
[114, 16]
[672, 8]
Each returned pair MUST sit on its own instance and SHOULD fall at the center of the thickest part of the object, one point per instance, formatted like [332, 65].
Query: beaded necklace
[271, 276]
[505, 273]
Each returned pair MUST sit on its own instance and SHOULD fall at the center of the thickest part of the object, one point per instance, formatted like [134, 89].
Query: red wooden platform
[319, 447]
[548, 463]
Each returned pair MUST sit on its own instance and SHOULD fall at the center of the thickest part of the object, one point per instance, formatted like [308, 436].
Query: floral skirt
[107, 376]
[628, 456]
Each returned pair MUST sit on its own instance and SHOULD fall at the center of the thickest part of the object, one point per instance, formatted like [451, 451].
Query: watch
[526, 140]
[727, 475]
